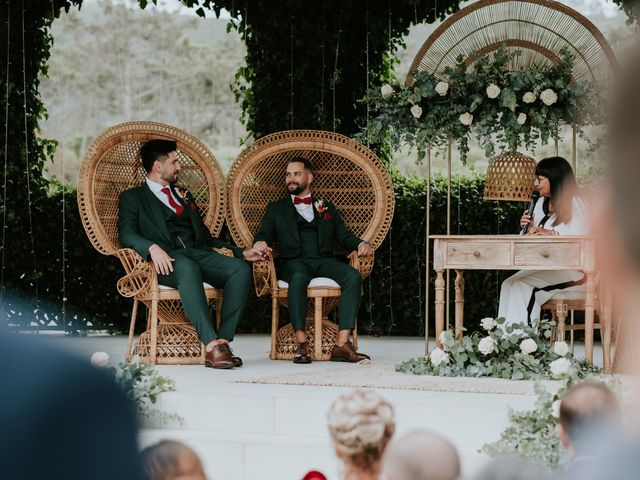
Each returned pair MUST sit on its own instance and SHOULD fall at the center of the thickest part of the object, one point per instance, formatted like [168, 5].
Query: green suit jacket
[141, 222]
[279, 228]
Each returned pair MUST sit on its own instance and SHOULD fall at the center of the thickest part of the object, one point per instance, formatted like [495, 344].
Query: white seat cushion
[164, 287]
[315, 282]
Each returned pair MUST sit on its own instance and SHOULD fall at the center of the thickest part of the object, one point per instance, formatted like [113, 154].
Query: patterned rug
[385, 376]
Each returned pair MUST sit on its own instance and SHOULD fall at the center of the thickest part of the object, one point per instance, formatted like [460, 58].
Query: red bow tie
[298, 200]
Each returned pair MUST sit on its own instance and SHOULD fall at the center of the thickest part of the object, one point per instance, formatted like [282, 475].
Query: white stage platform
[247, 431]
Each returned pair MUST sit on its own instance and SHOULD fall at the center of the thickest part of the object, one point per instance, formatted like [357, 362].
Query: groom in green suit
[307, 230]
[161, 222]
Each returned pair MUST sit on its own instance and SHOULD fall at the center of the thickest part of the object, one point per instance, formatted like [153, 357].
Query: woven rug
[385, 376]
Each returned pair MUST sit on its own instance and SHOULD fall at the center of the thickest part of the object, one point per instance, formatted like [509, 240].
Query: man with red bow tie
[307, 231]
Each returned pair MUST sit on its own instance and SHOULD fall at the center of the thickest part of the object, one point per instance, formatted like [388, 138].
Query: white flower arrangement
[442, 88]
[528, 346]
[488, 323]
[548, 97]
[493, 91]
[503, 109]
[466, 118]
[416, 111]
[386, 90]
[511, 351]
[438, 356]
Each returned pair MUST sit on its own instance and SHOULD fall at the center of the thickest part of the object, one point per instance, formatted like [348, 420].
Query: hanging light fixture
[510, 176]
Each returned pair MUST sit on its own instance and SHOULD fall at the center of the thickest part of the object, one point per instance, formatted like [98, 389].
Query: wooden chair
[563, 303]
[111, 165]
[346, 173]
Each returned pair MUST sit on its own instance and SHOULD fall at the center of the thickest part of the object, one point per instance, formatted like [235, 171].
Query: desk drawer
[559, 254]
[478, 254]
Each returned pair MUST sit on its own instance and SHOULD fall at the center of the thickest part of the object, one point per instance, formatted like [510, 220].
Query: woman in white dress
[559, 211]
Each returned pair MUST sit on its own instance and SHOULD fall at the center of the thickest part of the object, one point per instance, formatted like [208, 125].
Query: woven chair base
[286, 343]
[178, 344]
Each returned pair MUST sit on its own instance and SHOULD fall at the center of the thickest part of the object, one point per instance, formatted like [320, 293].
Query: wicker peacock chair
[539, 29]
[349, 175]
[111, 165]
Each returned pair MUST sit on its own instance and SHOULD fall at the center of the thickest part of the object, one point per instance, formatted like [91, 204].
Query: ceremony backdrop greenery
[297, 76]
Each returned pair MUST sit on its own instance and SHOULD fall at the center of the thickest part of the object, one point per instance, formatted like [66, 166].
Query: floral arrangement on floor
[532, 434]
[142, 384]
[503, 108]
[516, 352]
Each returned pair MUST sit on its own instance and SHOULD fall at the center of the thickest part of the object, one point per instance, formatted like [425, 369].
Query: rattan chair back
[345, 172]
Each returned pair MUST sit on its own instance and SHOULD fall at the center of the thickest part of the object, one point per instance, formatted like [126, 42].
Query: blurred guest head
[587, 410]
[361, 423]
[172, 460]
[421, 455]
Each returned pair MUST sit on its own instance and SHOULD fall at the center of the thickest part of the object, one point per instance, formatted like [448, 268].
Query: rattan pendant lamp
[539, 29]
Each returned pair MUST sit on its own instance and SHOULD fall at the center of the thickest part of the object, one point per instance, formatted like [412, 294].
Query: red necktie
[298, 200]
[176, 206]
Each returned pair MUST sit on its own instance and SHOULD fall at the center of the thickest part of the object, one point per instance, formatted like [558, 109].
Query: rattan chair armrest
[224, 251]
[364, 265]
[140, 273]
[264, 276]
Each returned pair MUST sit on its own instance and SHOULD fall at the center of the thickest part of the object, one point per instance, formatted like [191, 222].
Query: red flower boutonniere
[322, 209]
[182, 193]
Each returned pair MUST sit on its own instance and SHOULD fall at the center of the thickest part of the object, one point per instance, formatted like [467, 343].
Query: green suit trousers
[299, 272]
[191, 267]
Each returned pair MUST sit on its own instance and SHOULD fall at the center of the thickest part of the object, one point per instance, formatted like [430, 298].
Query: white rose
[522, 118]
[560, 348]
[488, 323]
[466, 118]
[486, 345]
[529, 97]
[442, 88]
[100, 359]
[386, 90]
[493, 91]
[548, 97]
[438, 356]
[555, 409]
[416, 111]
[499, 116]
[528, 346]
[560, 367]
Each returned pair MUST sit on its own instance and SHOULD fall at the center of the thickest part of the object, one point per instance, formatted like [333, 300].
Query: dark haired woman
[559, 211]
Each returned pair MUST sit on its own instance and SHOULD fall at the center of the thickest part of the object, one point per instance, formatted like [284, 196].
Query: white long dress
[522, 294]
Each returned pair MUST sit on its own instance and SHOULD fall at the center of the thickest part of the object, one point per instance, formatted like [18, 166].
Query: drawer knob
[545, 254]
[476, 254]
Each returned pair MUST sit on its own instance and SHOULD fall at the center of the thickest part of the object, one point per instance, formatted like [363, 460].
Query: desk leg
[588, 317]
[459, 286]
[439, 305]
[605, 328]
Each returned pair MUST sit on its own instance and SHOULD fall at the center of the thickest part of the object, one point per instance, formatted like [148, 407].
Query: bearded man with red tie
[162, 223]
[307, 231]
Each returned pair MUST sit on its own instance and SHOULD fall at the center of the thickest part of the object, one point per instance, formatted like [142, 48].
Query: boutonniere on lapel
[182, 193]
[322, 209]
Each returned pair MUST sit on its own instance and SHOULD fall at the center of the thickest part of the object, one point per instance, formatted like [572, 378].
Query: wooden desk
[514, 252]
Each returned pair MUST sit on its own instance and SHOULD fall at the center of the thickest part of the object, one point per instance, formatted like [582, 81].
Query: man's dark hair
[304, 161]
[155, 150]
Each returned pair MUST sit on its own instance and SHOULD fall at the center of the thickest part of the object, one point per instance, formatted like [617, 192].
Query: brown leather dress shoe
[302, 353]
[346, 353]
[237, 361]
[219, 357]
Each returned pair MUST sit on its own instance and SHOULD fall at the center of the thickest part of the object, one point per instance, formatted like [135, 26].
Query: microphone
[534, 198]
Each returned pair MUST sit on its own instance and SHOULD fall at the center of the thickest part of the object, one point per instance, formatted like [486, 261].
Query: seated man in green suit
[307, 230]
[161, 222]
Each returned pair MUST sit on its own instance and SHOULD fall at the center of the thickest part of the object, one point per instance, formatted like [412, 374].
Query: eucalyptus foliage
[503, 109]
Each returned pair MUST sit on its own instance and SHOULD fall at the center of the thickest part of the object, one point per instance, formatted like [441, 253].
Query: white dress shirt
[156, 188]
[578, 225]
[305, 211]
